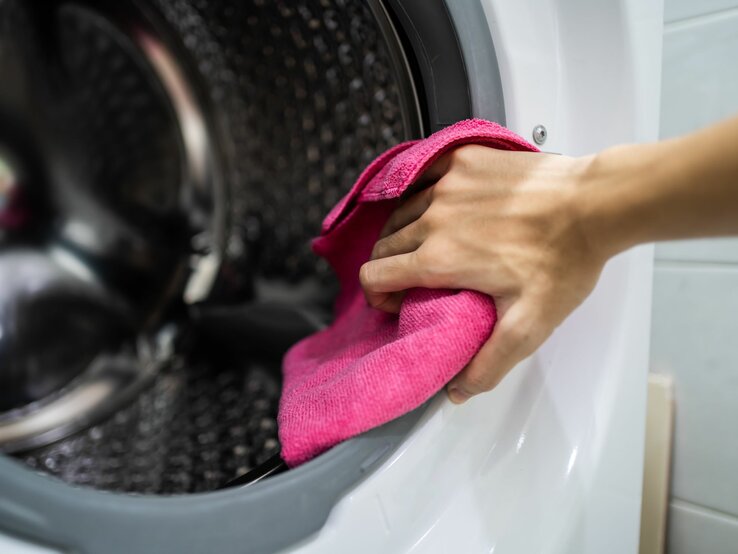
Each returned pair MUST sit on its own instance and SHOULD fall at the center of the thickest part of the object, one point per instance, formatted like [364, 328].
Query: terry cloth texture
[370, 367]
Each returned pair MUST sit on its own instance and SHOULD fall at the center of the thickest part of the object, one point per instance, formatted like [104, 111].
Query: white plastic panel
[587, 70]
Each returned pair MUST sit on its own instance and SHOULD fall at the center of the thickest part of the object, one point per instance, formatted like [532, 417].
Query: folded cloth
[370, 367]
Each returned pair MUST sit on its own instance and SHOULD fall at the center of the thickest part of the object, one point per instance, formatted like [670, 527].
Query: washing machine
[163, 165]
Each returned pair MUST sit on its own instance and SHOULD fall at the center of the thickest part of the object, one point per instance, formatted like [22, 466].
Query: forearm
[675, 189]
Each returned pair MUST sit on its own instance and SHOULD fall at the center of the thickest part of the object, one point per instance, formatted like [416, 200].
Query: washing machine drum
[163, 166]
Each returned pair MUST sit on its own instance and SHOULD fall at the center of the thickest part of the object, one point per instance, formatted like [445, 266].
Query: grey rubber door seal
[259, 518]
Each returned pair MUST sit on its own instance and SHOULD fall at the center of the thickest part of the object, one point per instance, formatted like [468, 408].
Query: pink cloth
[370, 367]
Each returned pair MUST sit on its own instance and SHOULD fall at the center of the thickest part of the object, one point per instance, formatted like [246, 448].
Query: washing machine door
[162, 168]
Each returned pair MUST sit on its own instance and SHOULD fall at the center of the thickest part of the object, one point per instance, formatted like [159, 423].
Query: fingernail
[457, 396]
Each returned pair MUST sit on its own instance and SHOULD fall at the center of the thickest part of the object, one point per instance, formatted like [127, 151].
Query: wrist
[613, 198]
[674, 189]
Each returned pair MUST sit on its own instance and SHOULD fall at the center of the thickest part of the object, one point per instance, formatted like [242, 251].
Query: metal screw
[539, 134]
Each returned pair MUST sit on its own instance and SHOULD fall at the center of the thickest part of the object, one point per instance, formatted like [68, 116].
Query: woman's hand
[508, 224]
[534, 230]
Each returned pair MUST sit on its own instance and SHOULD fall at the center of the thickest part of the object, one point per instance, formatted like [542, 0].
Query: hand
[507, 224]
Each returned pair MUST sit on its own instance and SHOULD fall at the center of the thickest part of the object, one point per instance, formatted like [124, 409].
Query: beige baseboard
[659, 430]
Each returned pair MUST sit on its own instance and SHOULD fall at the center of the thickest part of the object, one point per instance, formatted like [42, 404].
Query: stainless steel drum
[164, 165]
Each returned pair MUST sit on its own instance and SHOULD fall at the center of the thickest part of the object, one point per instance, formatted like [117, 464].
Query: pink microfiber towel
[370, 367]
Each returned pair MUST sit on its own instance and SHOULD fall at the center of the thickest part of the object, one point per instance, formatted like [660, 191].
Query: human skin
[534, 230]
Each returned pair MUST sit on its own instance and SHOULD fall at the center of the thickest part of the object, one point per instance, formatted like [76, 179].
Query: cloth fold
[370, 367]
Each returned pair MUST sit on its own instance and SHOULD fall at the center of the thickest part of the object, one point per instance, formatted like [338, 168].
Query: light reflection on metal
[110, 382]
[199, 168]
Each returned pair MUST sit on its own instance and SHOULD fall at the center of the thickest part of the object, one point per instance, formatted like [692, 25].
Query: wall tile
[694, 337]
[694, 530]
[695, 307]
[675, 10]
[704, 250]
[699, 80]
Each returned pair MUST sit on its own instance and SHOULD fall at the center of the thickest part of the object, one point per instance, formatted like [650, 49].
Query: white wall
[695, 305]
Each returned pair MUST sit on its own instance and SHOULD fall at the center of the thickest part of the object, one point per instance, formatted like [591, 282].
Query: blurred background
[695, 295]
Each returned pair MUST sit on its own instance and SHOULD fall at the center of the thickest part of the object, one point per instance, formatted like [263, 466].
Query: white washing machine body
[551, 460]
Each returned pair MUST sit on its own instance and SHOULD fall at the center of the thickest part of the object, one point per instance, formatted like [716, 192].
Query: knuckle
[441, 188]
[367, 275]
[461, 156]
[423, 199]
[380, 249]
[433, 218]
[421, 228]
[425, 256]
[514, 338]
[480, 381]
[425, 265]
[375, 301]
[433, 263]
[428, 220]
[522, 337]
